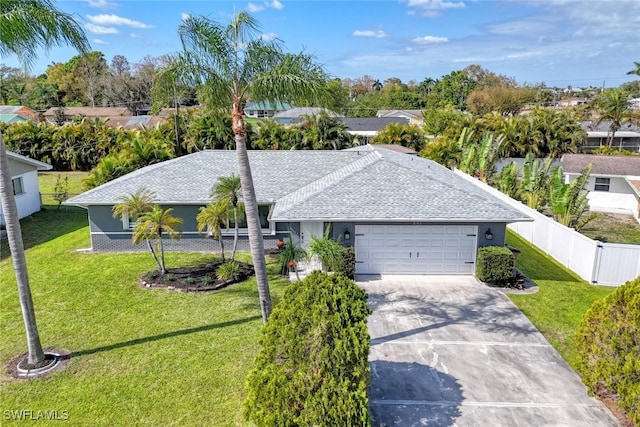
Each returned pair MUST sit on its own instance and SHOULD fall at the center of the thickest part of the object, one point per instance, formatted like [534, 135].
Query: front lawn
[557, 309]
[139, 356]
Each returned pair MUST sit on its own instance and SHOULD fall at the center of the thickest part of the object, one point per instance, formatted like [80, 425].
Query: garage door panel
[415, 249]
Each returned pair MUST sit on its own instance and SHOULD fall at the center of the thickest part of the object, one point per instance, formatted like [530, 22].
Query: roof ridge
[326, 181]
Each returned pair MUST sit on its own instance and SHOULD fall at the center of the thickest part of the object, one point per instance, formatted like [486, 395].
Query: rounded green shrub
[494, 264]
[313, 368]
[230, 270]
[608, 345]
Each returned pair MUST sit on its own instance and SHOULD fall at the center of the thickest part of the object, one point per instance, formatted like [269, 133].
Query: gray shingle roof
[369, 184]
[602, 165]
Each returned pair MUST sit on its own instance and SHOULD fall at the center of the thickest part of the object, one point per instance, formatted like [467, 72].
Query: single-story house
[625, 138]
[364, 129]
[20, 110]
[611, 184]
[69, 113]
[263, 110]
[404, 214]
[297, 114]
[414, 117]
[24, 177]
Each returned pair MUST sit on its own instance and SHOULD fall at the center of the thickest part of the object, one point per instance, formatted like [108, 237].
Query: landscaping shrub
[328, 250]
[608, 345]
[348, 265]
[312, 369]
[495, 264]
[228, 271]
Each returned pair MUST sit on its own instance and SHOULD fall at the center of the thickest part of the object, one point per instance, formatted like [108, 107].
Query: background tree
[228, 191]
[25, 27]
[231, 64]
[212, 218]
[636, 70]
[401, 134]
[613, 106]
[151, 226]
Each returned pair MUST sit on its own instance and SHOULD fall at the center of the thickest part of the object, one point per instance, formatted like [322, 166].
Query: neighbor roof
[91, 111]
[12, 118]
[602, 165]
[297, 112]
[364, 124]
[41, 166]
[372, 184]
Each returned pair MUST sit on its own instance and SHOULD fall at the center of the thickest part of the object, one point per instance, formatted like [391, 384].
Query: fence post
[596, 263]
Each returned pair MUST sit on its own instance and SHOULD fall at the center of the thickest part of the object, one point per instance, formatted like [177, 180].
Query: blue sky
[558, 42]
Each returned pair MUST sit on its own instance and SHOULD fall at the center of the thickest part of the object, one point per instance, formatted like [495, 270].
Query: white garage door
[415, 249]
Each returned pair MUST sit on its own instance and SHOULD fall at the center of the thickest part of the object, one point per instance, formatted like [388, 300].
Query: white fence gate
[596, 262]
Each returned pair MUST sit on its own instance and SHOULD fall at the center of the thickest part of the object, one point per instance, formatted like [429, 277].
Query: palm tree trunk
[153, 254]
[14, 235]
[235, 232]
[161, 250]
[220, 240]
[253, 221]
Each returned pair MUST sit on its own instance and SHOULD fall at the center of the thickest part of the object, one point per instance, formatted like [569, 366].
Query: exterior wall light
[488, 235]
[346, 235]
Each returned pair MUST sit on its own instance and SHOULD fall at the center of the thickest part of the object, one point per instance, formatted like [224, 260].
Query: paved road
[448, 351]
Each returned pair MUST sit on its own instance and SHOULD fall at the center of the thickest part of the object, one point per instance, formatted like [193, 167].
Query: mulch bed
[199, 278]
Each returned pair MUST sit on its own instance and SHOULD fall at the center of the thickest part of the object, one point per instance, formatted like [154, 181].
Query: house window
[129, 223]
[18, 187]
[263, 214]
[602, 184]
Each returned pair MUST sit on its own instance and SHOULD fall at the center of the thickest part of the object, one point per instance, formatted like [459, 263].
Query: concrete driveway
[448, 351]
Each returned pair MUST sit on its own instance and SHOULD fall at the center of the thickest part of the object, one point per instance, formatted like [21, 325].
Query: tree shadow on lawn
[46, 225]
[163, 336]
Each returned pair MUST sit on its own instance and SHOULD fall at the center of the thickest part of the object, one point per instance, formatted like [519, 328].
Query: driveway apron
[448, 351]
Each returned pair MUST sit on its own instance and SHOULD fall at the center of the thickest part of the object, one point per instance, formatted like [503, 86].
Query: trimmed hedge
[495, 264]
[348, 267]
[313, 366]
[608, 345]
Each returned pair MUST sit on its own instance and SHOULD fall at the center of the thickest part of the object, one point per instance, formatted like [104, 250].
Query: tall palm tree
[151, 226]
[377, 86]
[25, 27]
[228, 191]
[232, 64]
[613, 106]
[211, 218]
[134, 205]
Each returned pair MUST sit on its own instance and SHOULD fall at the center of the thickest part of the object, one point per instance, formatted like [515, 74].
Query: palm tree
[151, 226]
[613, 106]
[134, 205]
[377, 86]
[212, 217]
[635, 71]
[25, 27]
[232, 64]
[228, 191]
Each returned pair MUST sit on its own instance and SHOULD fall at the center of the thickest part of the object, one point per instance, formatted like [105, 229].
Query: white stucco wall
[620, 198]
[28, 202]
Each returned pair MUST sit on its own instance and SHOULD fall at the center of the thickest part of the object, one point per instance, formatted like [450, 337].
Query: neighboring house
[12, 118]
[263, 110]
[365, 128]
[20, 110]
[572, 102]
[296, 115]
[69, 113]
[612, 184]
[404, 214]
[134, 122]
[625, 138]
[24, 177]
[414, 117]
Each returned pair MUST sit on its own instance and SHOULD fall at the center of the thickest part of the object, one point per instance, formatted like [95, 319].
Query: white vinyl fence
[596, 262]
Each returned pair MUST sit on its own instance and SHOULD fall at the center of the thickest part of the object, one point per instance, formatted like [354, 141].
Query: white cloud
[98, 41]
[432, 8]
[134, 36]
[99, 29]
[430, 40]
[275, 4]
[269, 36]
[184, 16]
[111, 19]
[102, 4]
[379, 34]
[253, 8]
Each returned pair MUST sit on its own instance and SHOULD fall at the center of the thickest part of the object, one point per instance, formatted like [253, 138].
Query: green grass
[48, 180]
[613, 228]
[562, 300]
[139, 356]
